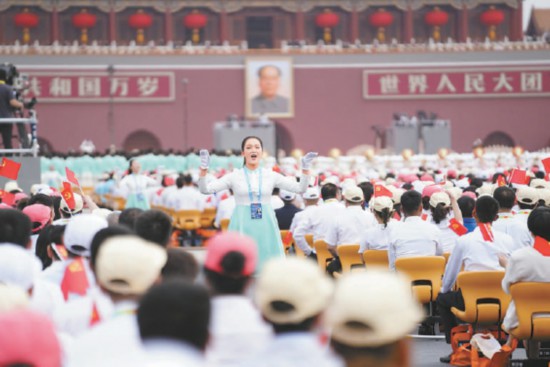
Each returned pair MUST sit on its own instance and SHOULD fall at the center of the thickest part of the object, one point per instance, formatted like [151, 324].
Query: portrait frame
[283, 104]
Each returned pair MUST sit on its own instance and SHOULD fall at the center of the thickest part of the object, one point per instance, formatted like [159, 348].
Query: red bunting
[75, 279]
[486, 232]
[542, 246]
[9, 168]
[457, 227]
[71, 177]
[68, 195]
[380, 190]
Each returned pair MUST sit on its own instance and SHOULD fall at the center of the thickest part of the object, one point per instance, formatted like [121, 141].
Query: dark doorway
[259, 32]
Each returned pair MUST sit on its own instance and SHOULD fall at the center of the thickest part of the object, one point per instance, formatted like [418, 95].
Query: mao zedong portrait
[268, 101]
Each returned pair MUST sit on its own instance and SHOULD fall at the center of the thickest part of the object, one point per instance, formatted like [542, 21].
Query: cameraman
[7, 103]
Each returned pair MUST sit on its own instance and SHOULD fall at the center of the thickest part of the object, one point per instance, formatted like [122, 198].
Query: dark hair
[130, 164]
[407, 186]
[231, 281]
[385, 214]
[368, 190]
[329, 191]
[180, 264]
[349, 352]
[175, 310]
[497, 175]
[183, 180]
[154, 226]
[42, 244]
[15, 227]
[128, 217]
[466, 205]
[486, 209]
[538, 222]
[56, 205]
[260, 70]
[426, 202]
[505, 197]
[41, 199]
[439, 212]
[101, 236]
[243, 143]
[410, 202]
[303, 326]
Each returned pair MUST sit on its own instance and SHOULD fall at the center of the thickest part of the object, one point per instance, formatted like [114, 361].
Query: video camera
[19, 82]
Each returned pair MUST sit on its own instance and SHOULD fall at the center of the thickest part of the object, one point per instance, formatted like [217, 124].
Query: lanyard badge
[255, 208]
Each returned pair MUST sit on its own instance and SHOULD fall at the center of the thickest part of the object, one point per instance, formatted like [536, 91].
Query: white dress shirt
[348, 227]
[377, 237]
[225, 210]
[447, 237]
[170, 353]
[525, 265]
[413, 237]
[516, 228]
[476, 254]
[186, 198]
[302, 224]
[237, 331]
[324, 217]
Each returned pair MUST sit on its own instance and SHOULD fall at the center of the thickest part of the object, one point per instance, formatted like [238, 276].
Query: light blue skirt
[264, 231]
[133, 201]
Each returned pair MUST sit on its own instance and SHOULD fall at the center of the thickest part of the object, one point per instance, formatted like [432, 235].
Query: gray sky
[528, 4]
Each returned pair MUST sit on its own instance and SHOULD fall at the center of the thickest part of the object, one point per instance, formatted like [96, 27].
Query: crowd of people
[83, 285]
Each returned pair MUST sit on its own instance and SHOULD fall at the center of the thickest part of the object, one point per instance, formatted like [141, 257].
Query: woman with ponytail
[443, 207]
[378, 237]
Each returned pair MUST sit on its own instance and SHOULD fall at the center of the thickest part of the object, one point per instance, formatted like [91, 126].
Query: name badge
[256, 211]
[140, 197]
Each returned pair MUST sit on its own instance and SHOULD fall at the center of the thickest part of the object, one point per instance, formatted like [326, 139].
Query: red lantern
[140, 21]
[327, 20]
[26, 21]
[381, 19]
[436, 18]
[195, 21]
[492, 18]
[84, 20]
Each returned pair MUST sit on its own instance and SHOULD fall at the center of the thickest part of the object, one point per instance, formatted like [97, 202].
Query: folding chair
[376, 258]
[323, 254]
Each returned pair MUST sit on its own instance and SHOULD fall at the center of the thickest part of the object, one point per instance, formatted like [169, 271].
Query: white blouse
[134, 184]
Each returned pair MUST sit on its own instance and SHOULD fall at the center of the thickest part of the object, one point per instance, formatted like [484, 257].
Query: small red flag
[546, 164]
[287, 240]
[9, 168]
[424, 216]
[486, 232]
[501, 181]
[74, 279]
[381, 190]
[71, 177]
[94, 317]
[457, 227]
[61, 251]
[542, 246]
[518, 176]
[68, 195]
[7, 198]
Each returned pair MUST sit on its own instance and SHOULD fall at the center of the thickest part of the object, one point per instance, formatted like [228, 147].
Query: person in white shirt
[187, 197]
[378, 237]
[443, 205]
[134, 186]
[527, 198]
[237, 330]
[327, 211]
[413, 236]
[529, 264]
[475, 251]
[302, 222]
[173, 324]
[126, 266]
[292, 295]
[506, 223]
[225, 209]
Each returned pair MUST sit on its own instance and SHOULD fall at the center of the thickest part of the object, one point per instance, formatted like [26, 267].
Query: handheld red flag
[501, 181]
[94, 317]
[61, 251]
[457, 227]
[9, 168]
[71, 177]
[542, 246]
[74, 279]
[486, 232]
[518, 176]
[546, 164]
[7, 198]
[68, 195]
[381, 190]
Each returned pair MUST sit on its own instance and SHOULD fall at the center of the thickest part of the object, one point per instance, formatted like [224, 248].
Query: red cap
[430, 190]
[470, 194]
[29, 338]
[38, 213]
[426, 177]
[451, 174]
[226, 242]
[19, 196]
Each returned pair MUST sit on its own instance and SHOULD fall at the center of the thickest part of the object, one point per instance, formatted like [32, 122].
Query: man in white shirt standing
[413, 236]
[506, 221]
[476, 251]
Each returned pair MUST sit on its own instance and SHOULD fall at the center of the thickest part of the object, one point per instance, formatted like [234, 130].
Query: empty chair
[376, 258]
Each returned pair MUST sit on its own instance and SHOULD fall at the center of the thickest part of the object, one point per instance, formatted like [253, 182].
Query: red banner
[89, 86]
[457, 83]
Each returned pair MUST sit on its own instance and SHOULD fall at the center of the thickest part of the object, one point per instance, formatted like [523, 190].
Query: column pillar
[168, 26]
[354, 27]
[112, 25]
[54, 25]
[299, 26]
[408, 26]
[464, 31]
[223, 26]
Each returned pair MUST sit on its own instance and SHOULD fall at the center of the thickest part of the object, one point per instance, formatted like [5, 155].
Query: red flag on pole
[518, 176]
[9, 168]
[486, 232]
[7, 198]
[74, 279]
[546, 164]
[381, 190]
[68, 195]
[501, 181]
[71, 177]
[457, 227]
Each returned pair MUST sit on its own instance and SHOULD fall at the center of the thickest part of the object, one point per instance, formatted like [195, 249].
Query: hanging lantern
[436, 19]
[517, 151]
[26, 21]
[140, 21]
[334, 153]
[370, 154]
[443, 153]
[407, 154]
[327, 20]
[491, 18]
[381, 19]
[84, 20]
[478, 152]
[195, 21]
[297, 153]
